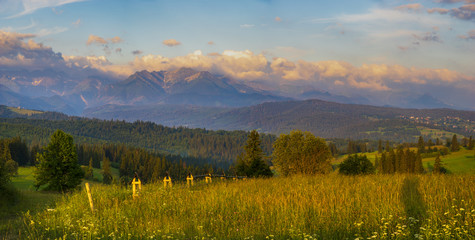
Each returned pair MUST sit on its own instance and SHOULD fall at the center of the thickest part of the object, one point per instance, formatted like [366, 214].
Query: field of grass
[462, 161]
[24, 111]
[437, 133]
[301, 207]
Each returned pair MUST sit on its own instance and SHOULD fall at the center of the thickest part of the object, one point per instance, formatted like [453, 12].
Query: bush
[355, 165]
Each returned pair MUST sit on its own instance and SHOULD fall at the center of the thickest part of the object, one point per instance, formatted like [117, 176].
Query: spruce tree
[455, 144]
[58, 166]
[106, 171]
[89, 171]
[380, 146]
[253, 163]
[470, 143]
[421, 144]
[418, 167]
[437, 165]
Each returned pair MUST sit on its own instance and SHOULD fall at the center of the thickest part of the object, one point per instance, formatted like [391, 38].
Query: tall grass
[322, 207]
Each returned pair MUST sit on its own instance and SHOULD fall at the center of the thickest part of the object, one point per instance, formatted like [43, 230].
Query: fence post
[208, 178]
[167, 180]
[88, 190]
[136, 183]
[189, 180]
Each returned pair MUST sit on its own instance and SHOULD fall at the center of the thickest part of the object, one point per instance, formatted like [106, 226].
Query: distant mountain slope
[325, 119]
[182, 86]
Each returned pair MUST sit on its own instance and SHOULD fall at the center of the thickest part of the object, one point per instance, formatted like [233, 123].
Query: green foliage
[5, 170]
[421, 144]
[106, 171]
[252, 163]
[57, 166]
[355, 165]
[301, 153]
[89, 174]
[455, 146]
[438, 165]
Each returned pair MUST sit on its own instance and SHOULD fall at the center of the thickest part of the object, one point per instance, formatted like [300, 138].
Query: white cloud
[171, 42]
[30, 6]
[246, 25]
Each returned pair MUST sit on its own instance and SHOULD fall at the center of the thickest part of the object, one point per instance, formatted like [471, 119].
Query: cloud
[115, 40]
[30, 6]
[19, 50]
[455, 1]
[438, 10]
[428, 37]
[137, 52]
[465, 12]
[50, 31]
[246, 25]
[118, 50]
[171, 42]
[410, 7]
[278, 19]
[77, 22]
[470, 35]
[93, 39]
[385, 16]
[210, 43]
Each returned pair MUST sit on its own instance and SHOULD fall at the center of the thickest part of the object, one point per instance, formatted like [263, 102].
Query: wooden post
[208, 178]
[189, 180]
[88, 190]
[136, 183]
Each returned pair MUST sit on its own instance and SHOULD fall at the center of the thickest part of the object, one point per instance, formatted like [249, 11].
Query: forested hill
[324, 119]
[336, 120]
[217, 147]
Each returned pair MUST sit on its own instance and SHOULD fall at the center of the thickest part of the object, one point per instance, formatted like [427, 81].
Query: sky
[377, 45]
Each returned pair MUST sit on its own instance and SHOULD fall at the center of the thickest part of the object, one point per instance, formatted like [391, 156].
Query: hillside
[325, 119]
[218, 148]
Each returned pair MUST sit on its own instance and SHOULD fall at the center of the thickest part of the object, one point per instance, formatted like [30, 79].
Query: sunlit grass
[323, 207]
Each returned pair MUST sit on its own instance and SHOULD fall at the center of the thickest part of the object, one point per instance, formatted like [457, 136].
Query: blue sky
[354, 31]
[367, 44]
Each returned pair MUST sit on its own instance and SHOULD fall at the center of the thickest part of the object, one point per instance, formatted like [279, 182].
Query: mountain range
[56, 90]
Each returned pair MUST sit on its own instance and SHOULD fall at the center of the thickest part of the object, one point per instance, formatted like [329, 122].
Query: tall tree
[106, 171]
[89, 175]
[301, 153]
[421, 144]
[418, 168]
[455, 144]
[5, 161]
[437, 165]
[58, 166]
[470, 143]
[252, 163]
[380, 146]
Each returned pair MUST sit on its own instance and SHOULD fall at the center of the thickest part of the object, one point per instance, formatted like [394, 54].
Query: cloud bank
[19, 51]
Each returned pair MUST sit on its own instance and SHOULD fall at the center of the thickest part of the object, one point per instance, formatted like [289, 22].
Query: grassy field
[321, 207]
[462, 161]
[437, 133]
[24, 111]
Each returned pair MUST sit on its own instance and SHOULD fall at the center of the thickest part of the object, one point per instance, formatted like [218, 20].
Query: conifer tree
[455, 144]
[380, 146]
[418, 168]
[437, 165]
[106, 171]
[253, 163]
[470, 143]
[58, 166]
[89, 171]
[387, 148]
[421, 144]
